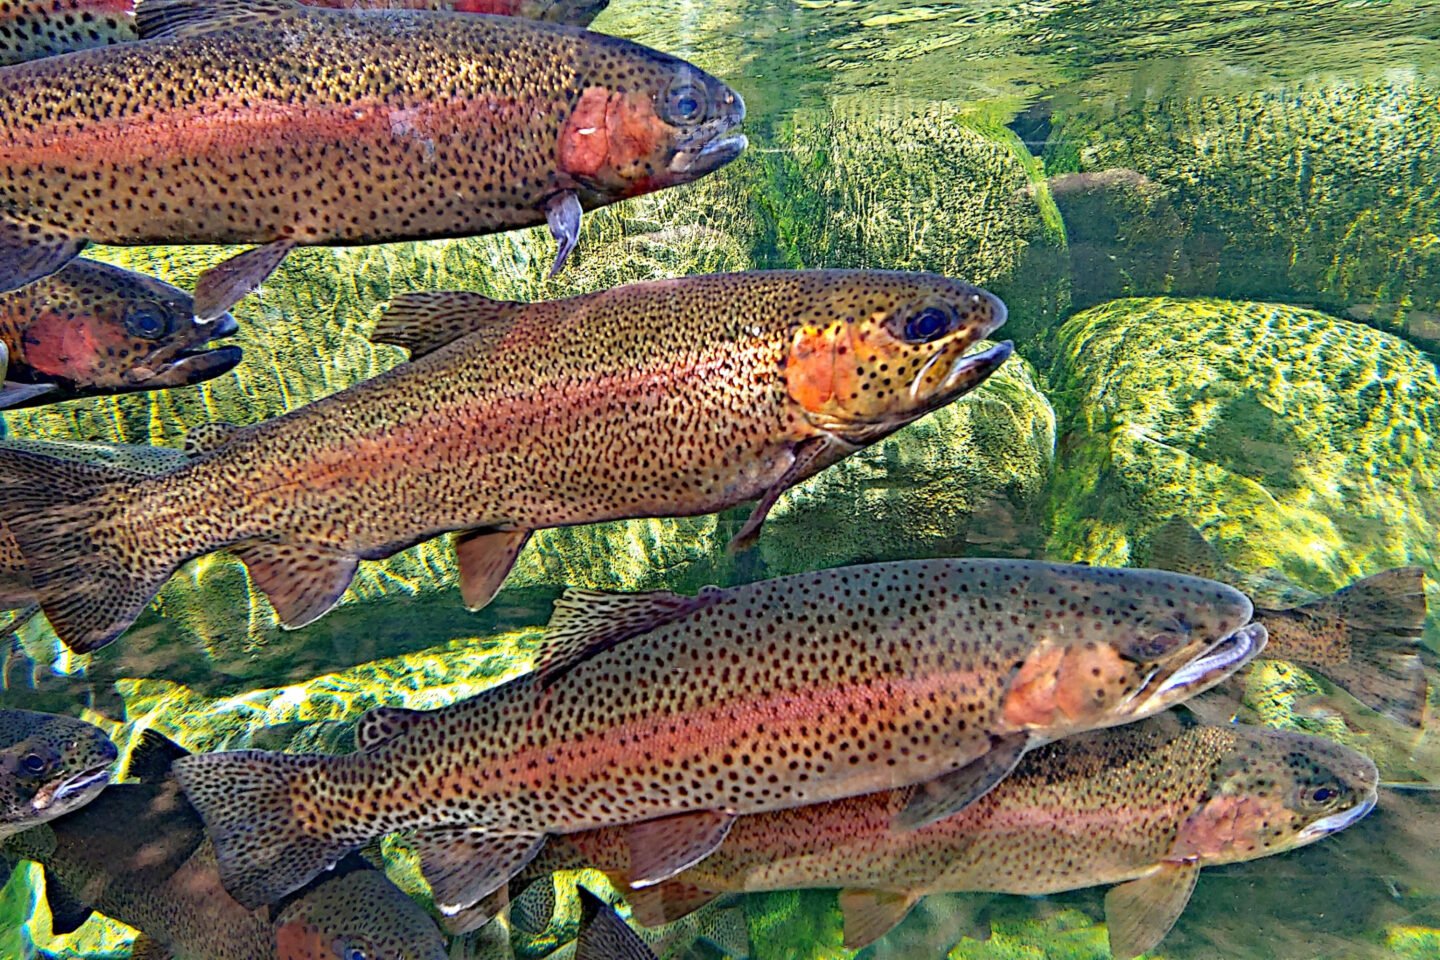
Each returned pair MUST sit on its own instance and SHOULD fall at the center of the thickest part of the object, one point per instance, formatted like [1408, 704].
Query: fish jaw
[1219, 662]
[69, 793]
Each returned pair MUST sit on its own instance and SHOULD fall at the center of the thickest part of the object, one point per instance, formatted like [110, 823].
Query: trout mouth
[1200, 674]
[1337, 821]
[967, 372]
[91, 780]
[191, 364]
[712, 145]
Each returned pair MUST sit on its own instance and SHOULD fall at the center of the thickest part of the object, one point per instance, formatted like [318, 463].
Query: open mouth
[966, 373]
[1221, 660]
[715, 153]
[1337, 821]
[91, 778]
[194, 363]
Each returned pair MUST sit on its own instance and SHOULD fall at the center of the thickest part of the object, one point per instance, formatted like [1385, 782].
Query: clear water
[1217, 228]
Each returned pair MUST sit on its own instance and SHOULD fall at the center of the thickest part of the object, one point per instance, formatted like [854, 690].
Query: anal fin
[30, 252]
[870, 914]
[667, 902]
[301, 582]
[1140, 913]
[603, 935]
[661, 848]
[947, 795]
[225, 284]
[464, 865]
[485, 560]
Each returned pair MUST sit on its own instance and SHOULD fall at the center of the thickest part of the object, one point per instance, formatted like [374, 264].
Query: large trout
[689, 711]
[1144, 805]
[667, 398]
[265, 121]
[31, 29]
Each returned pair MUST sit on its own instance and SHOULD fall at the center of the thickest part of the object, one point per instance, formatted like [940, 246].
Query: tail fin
[245, 799]
[1380, 619]
[90, 587]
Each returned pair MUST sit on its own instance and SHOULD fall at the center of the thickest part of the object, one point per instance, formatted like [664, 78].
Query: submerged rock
[1319, 192]
[1296, 441]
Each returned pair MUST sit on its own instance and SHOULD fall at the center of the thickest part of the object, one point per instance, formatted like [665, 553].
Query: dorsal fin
[1176, 545]
[588, 622]
[152, 757]
[425, 322]
[156, 19]
[382, 725]
[208, 437]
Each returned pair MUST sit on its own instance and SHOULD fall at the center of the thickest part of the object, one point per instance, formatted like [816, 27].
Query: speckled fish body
[32, 29]
[50, 765]
[776, 694]
[93, 329]
[1104, 807]
[1364, 637]
[139, 855]
[666, 398]
[16, 589]
[273, 123]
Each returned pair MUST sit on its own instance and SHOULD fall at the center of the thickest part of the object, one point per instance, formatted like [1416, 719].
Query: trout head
[655, 122]
[1114, 645]
[874, 351]
[355, 913]
[1272, 791]
[49, 766]
[94, 328]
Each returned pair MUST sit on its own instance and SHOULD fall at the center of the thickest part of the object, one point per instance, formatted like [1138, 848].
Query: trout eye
[147, 321]
[685, 104]
[347, 951]
[33, 763]
[1324, 795]
[929, 324]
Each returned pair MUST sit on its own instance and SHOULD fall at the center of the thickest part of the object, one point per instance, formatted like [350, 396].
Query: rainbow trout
[1145, 805]
[32, 29]
[94, 330]
[667, 398]
[139, 855]
[50, 765]
[265, 121]
[689, 711]
[1364, 638]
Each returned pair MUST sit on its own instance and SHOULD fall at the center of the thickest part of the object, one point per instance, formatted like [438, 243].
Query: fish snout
[713, 144]
[1213, 665]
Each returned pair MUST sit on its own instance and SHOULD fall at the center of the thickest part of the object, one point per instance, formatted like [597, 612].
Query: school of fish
[890, 730]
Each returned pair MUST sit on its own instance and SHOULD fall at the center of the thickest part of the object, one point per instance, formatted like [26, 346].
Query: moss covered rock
[930, 190]
[1318, 192]
[968, 479]
[1297, 441]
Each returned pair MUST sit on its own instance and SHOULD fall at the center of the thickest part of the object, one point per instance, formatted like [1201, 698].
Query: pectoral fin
[485, 561]
[21, 394]
[1141, 912]
[661, 848]
[301, 582]
[225, 284]
[870, 914]
[947, 795]
[464, 865]
[811, 456]
[563, 213]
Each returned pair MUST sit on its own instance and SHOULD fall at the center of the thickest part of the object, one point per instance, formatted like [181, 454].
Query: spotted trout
[139, 855]
[667, 398]
[265, 121]
[1145, 805]
[1364, 638]
[94, 330]
[32, 29]
[689, 711]
[50, 765]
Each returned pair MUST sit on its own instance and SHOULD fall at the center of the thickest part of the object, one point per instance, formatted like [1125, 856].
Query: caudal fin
[1381, 618]
[92, 570]
[247, 800]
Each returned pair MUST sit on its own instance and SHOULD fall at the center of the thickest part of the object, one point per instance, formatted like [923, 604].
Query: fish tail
[92, 563]
[256, 808]
[1382, 617]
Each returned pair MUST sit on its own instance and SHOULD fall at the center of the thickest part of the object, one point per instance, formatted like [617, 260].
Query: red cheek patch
[1227, 824]
[584, 140]
[1031, 699]
[810, 368]
[61, 346]
[297, 940]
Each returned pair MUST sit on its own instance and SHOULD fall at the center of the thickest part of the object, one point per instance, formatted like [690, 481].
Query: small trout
[1145, 805]
[742, 700]
[32, 29]
[265, 121]
[139, 855]
[667, 398]
[94, 330]
[1365, 638]
[49, 766]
